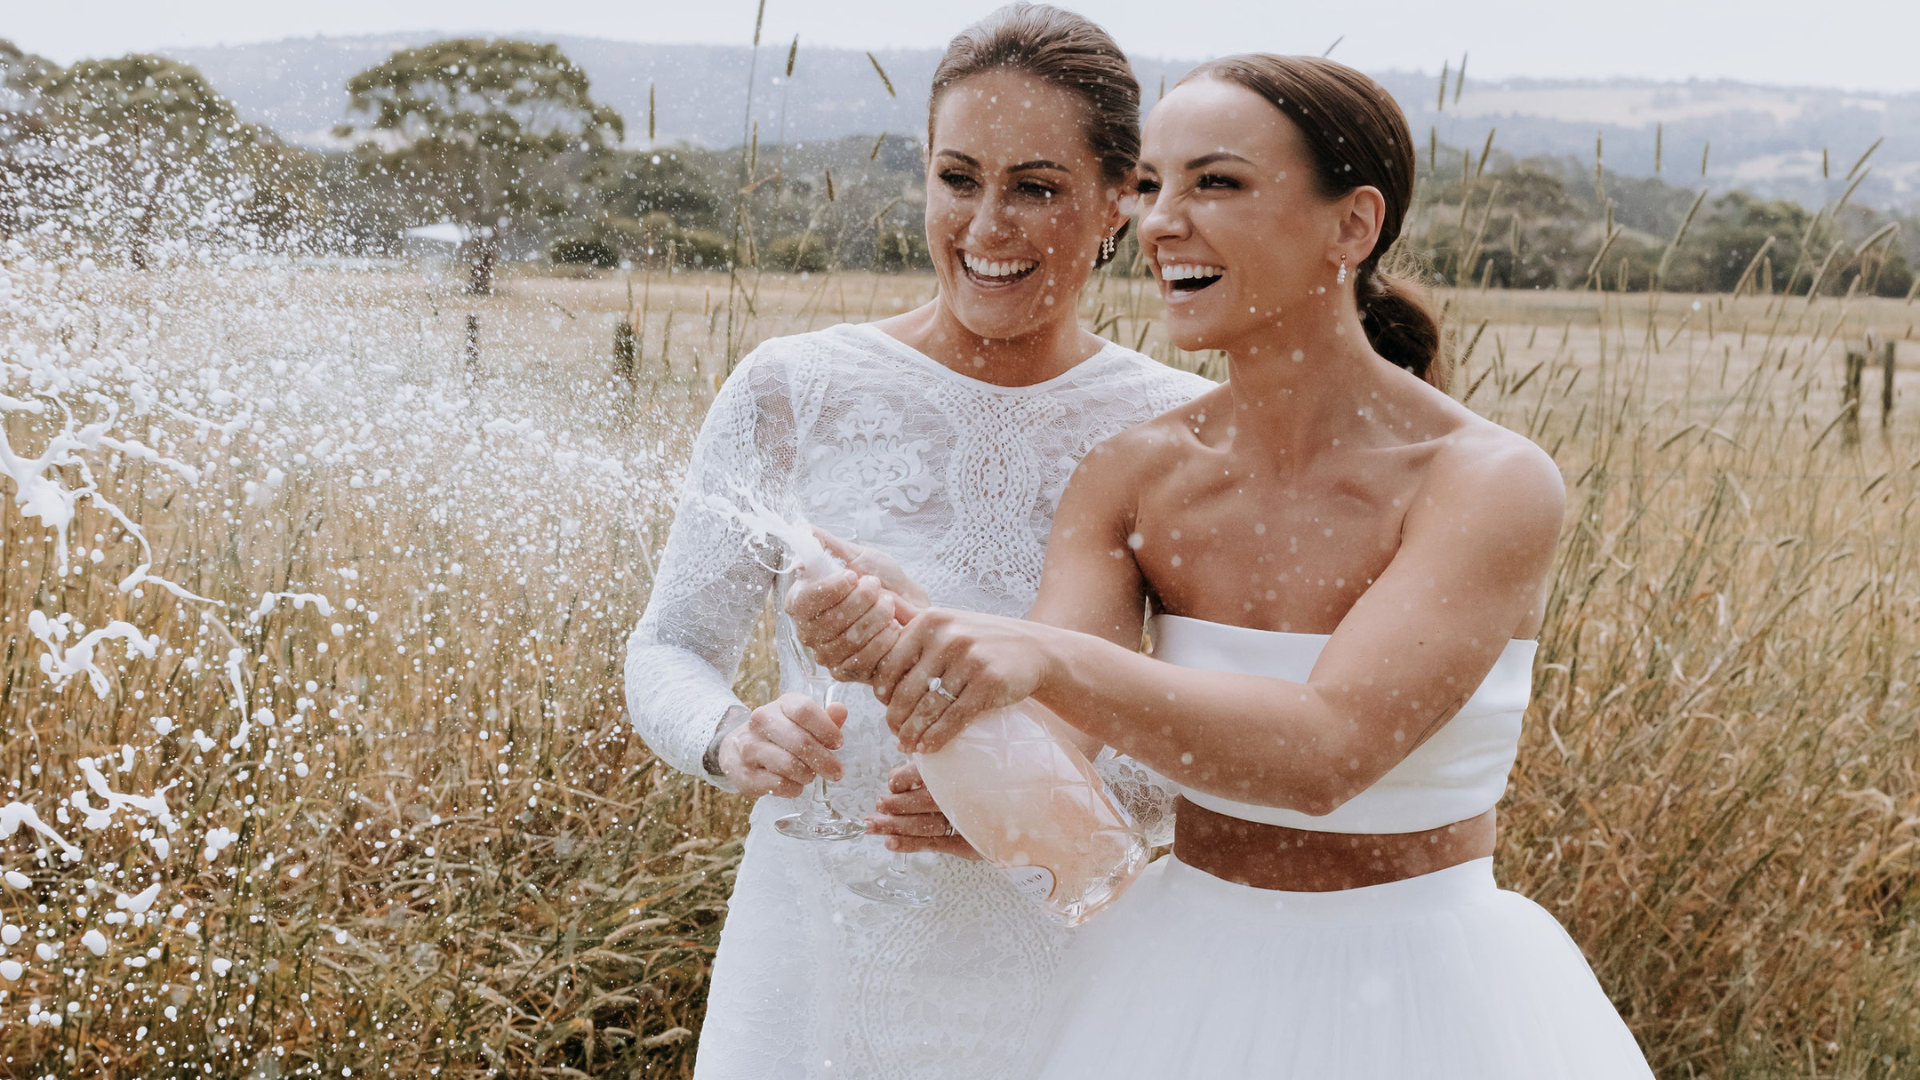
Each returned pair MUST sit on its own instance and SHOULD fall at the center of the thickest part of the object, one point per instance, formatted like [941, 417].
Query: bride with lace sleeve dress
[953, 467]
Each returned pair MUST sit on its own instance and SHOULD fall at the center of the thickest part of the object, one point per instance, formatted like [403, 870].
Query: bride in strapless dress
[1345, 567]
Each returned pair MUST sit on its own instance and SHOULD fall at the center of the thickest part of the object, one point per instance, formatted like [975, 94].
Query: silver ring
[949, 828]
[934, 686]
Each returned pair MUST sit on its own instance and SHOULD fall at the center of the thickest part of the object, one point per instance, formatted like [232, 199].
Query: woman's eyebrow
[1205, 160]
[1038, 163]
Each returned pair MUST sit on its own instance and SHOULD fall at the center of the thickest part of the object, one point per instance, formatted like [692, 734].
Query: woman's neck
[1307, 385]
[1043, 353]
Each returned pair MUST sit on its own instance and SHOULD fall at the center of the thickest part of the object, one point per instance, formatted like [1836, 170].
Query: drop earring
[1341, 277]
[1107, 246]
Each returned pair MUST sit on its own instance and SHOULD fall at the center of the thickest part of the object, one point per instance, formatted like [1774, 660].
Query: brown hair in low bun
[1065, 50]
[1357, 137]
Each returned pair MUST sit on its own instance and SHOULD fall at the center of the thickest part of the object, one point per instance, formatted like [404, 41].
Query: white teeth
[1184, 271]
[996, 267]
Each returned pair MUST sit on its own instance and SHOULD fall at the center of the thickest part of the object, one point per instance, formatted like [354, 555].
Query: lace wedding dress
[958, 480]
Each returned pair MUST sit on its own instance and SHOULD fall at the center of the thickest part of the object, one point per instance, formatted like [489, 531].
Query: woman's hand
[783, 746]
[850, 620]
[872, 562]
[982, 661]
[911, 821]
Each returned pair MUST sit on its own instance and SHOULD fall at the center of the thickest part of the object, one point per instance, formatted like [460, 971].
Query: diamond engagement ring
[934, 686]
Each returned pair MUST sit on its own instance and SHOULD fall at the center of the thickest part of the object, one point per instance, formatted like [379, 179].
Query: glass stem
[824, 690]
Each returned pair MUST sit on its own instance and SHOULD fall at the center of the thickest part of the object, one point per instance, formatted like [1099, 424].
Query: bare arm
[1468, 576]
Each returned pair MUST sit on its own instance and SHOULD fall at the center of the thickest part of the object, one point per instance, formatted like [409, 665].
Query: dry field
[407, 833]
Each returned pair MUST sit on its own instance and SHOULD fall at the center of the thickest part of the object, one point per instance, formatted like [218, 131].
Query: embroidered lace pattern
[958, 480]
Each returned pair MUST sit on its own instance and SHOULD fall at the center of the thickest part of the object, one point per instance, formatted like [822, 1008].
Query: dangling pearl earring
[1107, 245]
[1341, 277]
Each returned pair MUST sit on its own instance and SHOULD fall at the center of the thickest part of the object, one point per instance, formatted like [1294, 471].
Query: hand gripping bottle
[1015, 785]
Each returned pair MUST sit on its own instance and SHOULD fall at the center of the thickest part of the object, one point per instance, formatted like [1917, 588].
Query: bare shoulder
[1498, 477]
[1151, 447]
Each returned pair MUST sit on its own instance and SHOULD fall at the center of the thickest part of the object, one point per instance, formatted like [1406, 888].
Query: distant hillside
[1766, 139]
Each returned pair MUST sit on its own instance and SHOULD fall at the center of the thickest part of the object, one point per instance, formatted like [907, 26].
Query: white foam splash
[42, 496]
[765, 525]
[217, 841]
[15, 814]
[154, 805]
[140, 902]
[300, 600]
[62, 664]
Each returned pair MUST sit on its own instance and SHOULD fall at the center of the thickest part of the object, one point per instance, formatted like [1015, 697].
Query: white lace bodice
[958, 480]
[955, 478]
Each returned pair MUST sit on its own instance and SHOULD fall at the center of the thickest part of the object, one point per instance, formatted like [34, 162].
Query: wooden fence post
[625, 359]
[1886, 383]
[1850, 397]
[473, 344]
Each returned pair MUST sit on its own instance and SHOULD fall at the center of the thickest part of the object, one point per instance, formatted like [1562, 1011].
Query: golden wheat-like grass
[1717, 793]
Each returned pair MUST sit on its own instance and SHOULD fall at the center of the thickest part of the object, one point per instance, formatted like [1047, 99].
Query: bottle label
[1032, 882]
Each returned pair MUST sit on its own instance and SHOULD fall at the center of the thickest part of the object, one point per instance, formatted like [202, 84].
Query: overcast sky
[1863, 44]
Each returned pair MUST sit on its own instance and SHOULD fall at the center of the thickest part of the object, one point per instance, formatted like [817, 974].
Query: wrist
[713, 761]
[1055, 648]
[1063, 685]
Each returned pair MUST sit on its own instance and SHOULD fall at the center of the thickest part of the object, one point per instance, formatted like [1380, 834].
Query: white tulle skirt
[1439, 977]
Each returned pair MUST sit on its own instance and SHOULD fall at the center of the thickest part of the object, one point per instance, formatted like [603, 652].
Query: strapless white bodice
[1460, 772]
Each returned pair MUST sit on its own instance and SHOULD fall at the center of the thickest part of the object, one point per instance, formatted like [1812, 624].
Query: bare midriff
[1298, 860]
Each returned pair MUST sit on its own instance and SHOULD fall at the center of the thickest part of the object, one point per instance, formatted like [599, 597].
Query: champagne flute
[897, 885]
[817, 820]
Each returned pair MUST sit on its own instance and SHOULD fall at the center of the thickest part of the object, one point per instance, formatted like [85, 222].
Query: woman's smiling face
[1231, 222]
[1016, 203]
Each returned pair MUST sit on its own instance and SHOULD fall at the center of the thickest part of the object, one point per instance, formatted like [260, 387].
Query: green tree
[21, 74]
[23, 172]
[151, 146]
[1732, 231]
[493, 129]
[665, 182]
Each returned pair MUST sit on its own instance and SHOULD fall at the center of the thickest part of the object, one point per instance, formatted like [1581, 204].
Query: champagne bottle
[1020, 791]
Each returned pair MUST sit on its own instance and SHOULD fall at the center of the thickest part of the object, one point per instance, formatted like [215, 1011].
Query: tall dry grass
[1718, 788]
[1717, 793]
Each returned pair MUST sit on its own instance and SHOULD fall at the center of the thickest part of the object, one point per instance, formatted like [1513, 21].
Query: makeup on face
[1016, 203]
[1227, 217]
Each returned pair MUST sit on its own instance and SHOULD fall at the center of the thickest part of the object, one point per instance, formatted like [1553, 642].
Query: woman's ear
[1360, 223]
[1121, 202]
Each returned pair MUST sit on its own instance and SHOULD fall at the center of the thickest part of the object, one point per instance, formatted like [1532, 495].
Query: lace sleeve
[709, 590]
[1145, 795]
